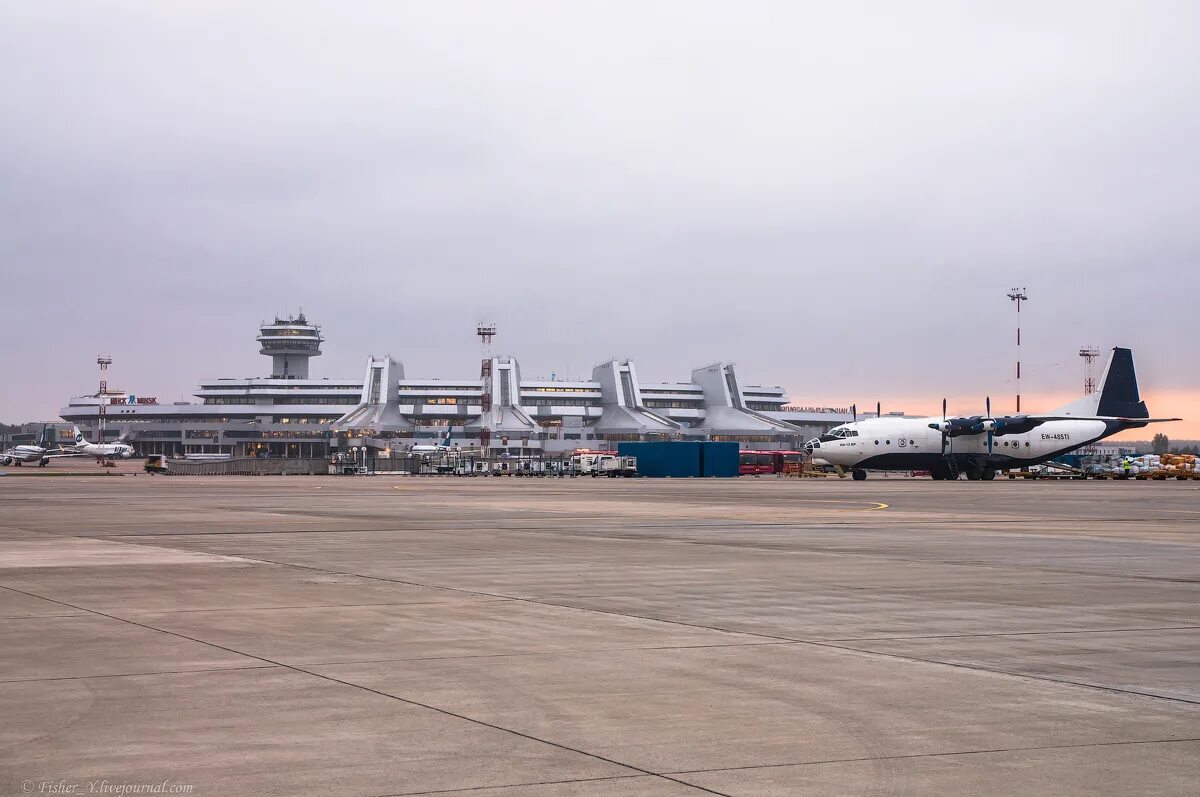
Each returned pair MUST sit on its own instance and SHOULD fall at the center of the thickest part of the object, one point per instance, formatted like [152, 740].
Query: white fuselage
[121, 450]
[906, 443]
[23, 454]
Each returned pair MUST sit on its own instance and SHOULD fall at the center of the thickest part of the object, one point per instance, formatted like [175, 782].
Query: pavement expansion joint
[940, 754]
[1018, 633]
[141, 674]
[552, 653]
[527, 784]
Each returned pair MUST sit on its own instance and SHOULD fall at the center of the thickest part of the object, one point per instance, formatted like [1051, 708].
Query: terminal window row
[303, 386]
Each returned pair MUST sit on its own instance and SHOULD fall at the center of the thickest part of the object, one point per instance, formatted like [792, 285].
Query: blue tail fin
[1119, 395]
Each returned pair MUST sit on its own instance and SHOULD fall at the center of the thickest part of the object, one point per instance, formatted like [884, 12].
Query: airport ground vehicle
[616, 466]
[760, 463]
[603, 463]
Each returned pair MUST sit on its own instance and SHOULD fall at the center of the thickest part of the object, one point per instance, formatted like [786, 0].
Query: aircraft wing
[1044, 418]
[1023, 423]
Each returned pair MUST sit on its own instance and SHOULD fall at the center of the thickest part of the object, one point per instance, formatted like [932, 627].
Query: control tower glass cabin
[289, 342]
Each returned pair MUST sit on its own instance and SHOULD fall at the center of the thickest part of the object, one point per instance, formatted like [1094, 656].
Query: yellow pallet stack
[1180, 466]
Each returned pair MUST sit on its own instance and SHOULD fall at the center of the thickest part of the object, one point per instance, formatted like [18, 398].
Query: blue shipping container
[682, 459]
[657, 460]
[719, 459]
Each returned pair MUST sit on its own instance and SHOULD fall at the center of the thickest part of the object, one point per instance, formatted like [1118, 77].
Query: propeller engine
[983, 424]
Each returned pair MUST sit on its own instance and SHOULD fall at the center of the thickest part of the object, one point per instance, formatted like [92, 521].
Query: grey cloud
[835, 198]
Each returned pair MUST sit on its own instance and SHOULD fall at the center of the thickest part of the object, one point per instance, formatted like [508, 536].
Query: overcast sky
[834, 196]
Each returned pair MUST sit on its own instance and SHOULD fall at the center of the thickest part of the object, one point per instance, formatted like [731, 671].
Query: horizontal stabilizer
[1044, 418]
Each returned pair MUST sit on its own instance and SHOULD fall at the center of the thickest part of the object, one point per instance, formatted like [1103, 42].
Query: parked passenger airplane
[980, 444]
[99, 450]
[443, 444]
[23, 455]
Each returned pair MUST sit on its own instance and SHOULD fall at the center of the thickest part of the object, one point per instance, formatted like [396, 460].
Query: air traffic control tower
[289, 342]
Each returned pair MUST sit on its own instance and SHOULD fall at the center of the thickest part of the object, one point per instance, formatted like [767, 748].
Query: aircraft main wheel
[973, 476]
[988, 474]
[937, 475]
[859, 475]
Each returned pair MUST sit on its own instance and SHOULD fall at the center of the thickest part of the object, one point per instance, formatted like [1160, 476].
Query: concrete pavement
[387, 636]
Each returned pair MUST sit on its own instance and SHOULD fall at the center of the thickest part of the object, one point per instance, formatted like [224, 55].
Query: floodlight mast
[485, 331]
[1018, 295]
[103, 361]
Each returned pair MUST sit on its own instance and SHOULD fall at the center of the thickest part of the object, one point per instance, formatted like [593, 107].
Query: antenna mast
[1089, 355]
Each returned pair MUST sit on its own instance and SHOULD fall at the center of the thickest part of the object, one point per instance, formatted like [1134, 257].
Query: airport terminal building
[292, 414]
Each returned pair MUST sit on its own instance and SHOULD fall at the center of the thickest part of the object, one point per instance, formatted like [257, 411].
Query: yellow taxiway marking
[877, 504]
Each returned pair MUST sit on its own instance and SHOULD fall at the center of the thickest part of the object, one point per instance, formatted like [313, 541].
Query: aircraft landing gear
[858, 474]
[940, 473]
[981, 474]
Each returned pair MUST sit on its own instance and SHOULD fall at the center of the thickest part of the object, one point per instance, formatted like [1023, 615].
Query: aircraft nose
[812, 445]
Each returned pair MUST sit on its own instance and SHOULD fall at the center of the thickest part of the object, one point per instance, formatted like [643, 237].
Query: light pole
[1018, 296]
[102, 397]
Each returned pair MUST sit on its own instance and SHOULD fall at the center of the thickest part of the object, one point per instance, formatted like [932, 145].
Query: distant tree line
[1161, 444]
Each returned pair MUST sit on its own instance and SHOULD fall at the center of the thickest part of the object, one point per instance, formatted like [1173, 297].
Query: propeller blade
[878, 409]
[853, 412]
[988, 403]
[945, 428]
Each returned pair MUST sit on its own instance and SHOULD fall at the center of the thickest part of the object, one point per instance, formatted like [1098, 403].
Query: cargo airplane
[980, 444]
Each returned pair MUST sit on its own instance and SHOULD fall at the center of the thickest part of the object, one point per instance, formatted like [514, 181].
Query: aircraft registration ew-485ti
[980, 444]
